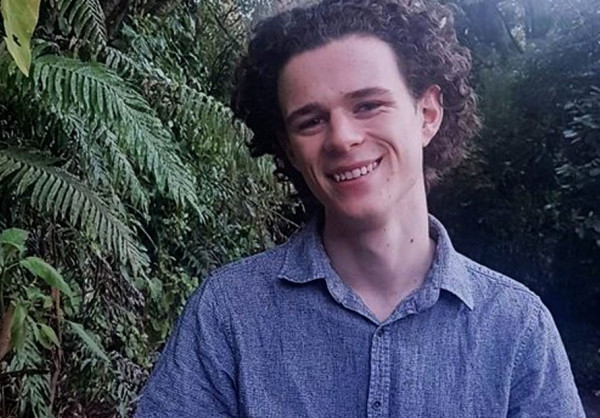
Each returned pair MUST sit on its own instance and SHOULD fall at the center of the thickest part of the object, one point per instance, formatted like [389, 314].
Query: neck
[382, 261]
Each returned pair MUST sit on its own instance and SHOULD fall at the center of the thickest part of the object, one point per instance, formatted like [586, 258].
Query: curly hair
[420, 32]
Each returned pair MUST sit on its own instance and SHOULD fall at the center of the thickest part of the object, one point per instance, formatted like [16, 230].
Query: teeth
[357, 172]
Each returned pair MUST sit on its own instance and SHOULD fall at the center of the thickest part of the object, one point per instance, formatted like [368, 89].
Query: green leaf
[45, 271]
[127, 120]
[17, 327]
[49, 334]
[14, 237]
[20, 18]
[81, 205]
[88, 340]
[86, 18]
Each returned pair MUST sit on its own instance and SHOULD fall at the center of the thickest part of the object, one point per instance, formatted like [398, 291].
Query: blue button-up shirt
[280, 334]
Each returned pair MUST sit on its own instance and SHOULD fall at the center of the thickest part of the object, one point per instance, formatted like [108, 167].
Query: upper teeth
[357, 172]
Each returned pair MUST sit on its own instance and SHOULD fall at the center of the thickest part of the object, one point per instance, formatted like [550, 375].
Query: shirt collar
[305, 260]
[305, 257]
[449, 269]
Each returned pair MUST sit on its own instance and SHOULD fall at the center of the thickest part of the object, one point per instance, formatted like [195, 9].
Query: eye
[310, 124]
[367, 107]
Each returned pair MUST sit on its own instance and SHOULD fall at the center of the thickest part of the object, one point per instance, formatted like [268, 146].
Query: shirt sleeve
[543, 384]
[194, 376]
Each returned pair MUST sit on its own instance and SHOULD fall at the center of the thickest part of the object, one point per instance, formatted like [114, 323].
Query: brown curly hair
[422, 35]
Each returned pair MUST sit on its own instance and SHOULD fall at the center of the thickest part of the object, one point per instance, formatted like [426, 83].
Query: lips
[356, 172]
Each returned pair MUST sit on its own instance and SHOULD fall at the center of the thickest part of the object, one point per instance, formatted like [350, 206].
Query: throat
[383, 267]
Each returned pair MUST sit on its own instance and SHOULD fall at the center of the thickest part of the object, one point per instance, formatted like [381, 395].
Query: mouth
[349, 175]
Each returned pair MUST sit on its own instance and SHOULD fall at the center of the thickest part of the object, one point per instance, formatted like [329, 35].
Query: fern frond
[90, 89]
[119, 62]
[212, 129]
[160, 158]
[34, 389]
[58, 193]
[123, 172]
[211, 116]
[85, 18]
[106, 163]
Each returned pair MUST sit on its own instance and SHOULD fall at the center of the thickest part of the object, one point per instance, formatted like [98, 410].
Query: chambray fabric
[279, 334]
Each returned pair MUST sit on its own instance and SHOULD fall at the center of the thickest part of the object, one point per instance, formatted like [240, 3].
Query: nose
[343, 133]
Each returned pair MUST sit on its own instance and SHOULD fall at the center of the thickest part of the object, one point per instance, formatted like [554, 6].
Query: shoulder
[521, 336]
[241, 282]
[484, 290]
[517, 319]
[250, 271]
[502, 302]
[489, 285]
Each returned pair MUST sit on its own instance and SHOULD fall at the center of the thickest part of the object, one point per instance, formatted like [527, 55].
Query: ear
[432, 113]
[284, 143]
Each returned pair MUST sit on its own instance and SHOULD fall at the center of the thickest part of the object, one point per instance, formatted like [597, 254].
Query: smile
[356, 173]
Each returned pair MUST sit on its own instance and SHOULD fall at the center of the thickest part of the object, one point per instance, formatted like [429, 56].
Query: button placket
[379, 382]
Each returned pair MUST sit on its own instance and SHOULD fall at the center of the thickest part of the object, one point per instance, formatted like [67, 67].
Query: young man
[368, 310]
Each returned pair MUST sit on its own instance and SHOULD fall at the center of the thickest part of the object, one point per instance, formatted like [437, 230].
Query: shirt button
[376, 405]
[381, 332]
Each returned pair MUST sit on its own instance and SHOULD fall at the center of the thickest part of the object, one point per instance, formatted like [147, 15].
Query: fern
[212, 129]
[203, 120]
[123, 173]
[91, 90]
[60, 194]
[198, 108]
[119, 62]
[85, 18]
[106, 163]
[34, 389]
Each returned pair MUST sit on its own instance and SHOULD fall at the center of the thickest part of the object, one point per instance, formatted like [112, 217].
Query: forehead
[337, 68]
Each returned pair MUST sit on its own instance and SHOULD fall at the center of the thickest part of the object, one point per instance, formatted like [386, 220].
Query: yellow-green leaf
[49, 334]
[88, 340]
[20, 18]
[45, 271]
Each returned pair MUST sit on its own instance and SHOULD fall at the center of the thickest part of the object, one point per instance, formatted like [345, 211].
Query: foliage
[84, 19]
[32, 320]
[57, 192]
[526, 202]
[119, 156]
[20, 18]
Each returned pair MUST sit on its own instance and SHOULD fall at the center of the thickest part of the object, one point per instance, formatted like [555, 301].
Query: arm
[195, 373]
[542, 384]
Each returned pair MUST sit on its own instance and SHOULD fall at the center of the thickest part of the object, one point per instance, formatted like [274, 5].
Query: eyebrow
[367, 92]
[353, 95]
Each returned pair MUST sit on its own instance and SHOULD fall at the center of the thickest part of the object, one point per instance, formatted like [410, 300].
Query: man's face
[354, 131]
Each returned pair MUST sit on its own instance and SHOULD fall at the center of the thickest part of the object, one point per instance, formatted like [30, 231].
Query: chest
[426, 365]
